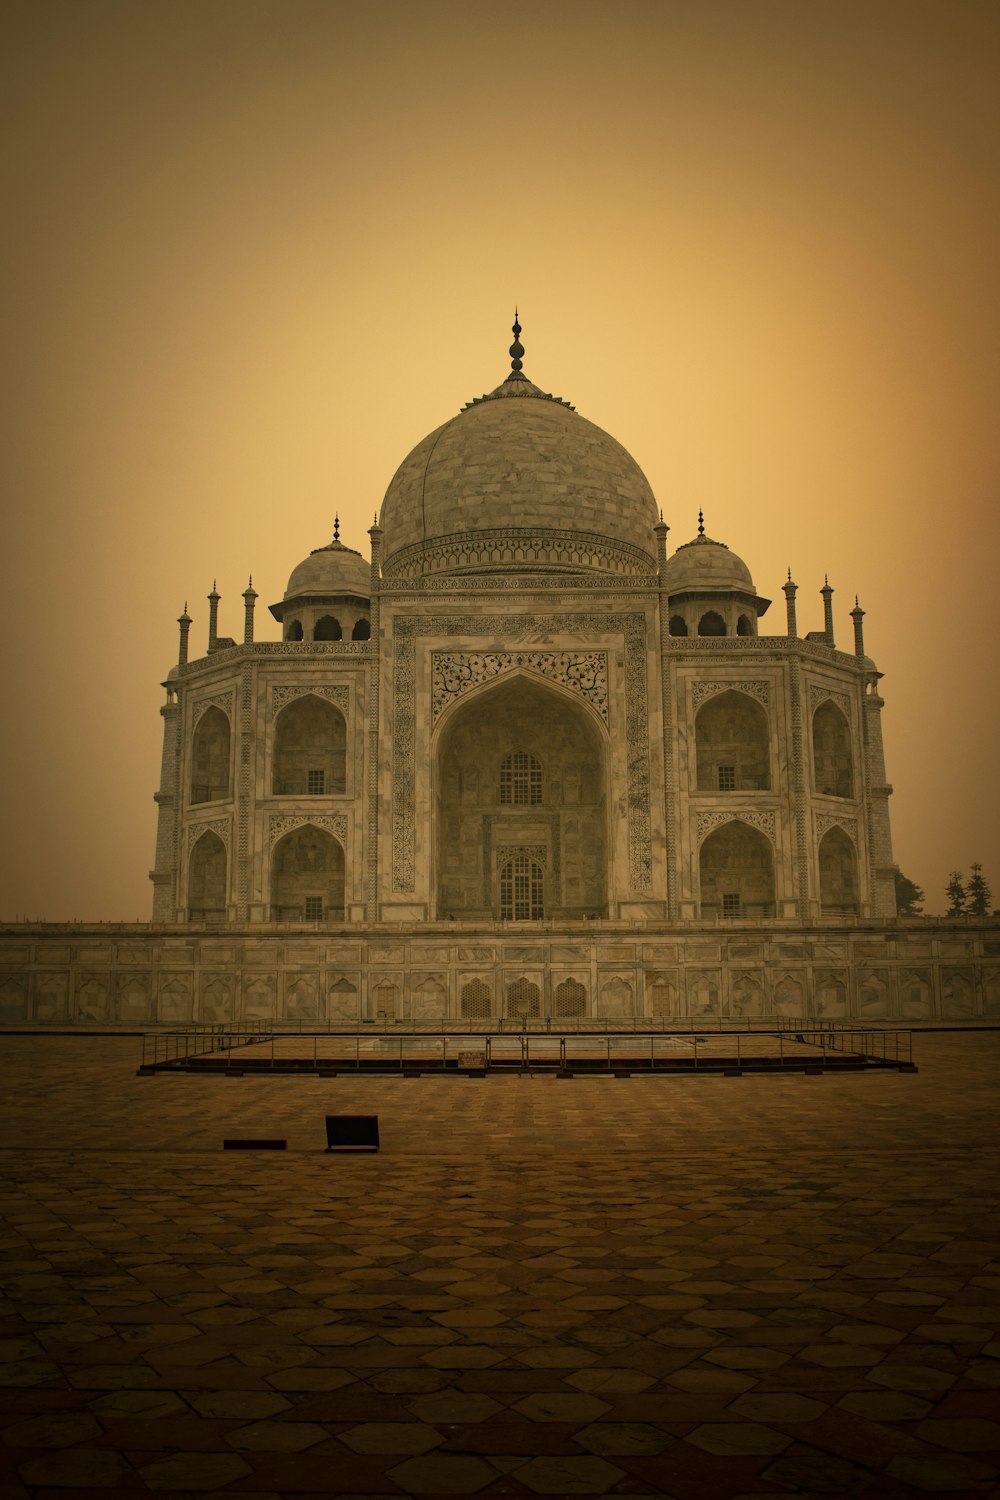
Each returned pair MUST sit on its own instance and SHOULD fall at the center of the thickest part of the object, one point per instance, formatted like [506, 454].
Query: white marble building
[525, 707]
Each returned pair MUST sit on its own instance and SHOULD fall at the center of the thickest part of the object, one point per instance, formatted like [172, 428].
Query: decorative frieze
[826, 821]
[453, 673]
[214, 700]
[278, 826]
[282, 695]
[756, 688]
[819, 694]
[218, 826]
[709, 821]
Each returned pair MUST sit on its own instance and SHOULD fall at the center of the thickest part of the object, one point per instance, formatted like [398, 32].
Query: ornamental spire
[336, 527]
[701, 522]
[516, 349]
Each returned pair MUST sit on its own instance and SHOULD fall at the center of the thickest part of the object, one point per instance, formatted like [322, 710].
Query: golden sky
[255, 249]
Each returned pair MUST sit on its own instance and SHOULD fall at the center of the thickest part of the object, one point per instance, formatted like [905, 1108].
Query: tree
[957, 895]
[909, 897]
[978, 893]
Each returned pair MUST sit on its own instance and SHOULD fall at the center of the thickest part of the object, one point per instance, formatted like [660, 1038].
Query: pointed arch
[736, 869]
[476, 1000]
[327, 628]
[838, 874]
[521, 733]
[524, 998]
[833, 758]
[210, 756]
[207, 879]
[310, 749]
[362, 630]
[307, 876]
[733, 740]
[711, 623]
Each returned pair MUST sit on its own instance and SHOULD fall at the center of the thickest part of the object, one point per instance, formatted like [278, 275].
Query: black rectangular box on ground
[248, 1144]
[352, 1133]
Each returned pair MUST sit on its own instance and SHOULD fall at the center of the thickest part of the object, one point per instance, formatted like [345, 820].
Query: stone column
[790, 588]
[249, 599]
[878, 791]
[372, 739]
[184, 621]
[827, 593]
[165, 872]
[858, 615]
[213, 618]
[667, 711]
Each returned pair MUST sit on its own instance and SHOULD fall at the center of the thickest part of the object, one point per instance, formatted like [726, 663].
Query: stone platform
[905, 972]
[664, 1286]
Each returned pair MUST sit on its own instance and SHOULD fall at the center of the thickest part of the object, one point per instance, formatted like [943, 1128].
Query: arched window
[362, 630]
[520, 779]
[210, 757]
[523, 998]
[744, 625]
[570, 998]
[678, 625]
[733, 744]
[833, 763]
[327, 629]
[207, 880]
[711, 623]
[838, 874]
[310, 749]
[521, 885]
[476, 1000]
[294, 630]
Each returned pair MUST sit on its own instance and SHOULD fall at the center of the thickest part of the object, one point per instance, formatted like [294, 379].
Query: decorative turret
[184, 621]
[790, 590]
[858, 615]
[827, 593]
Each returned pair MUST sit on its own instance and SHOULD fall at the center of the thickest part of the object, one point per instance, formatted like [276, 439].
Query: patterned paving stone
[590, 1288]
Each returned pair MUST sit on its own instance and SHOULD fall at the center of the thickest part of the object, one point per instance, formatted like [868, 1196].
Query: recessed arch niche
[562, 827]
[307, 876]
[207, 879]
[833, 761]
[210, 756]
[310, 748]
[736, 866]
[838, 874]
[733, 744]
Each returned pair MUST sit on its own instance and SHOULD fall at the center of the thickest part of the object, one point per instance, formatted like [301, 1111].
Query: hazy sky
[255, 249]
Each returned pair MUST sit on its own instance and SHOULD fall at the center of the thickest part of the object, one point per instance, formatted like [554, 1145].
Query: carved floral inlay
[826, 821]
[277, 826]
[757, 688]
[214, 700]
[455, 672]
[709, 821]
[219, 826]
[282, 695]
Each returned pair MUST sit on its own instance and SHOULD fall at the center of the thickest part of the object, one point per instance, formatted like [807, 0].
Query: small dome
[518, 472]
[706, 566]
[333, 569]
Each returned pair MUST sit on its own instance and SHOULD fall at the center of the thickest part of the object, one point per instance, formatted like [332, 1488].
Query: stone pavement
[702, 1288]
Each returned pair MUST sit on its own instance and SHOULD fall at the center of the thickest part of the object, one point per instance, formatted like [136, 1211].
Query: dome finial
[701, 522]
[516, 349]
[336, 527]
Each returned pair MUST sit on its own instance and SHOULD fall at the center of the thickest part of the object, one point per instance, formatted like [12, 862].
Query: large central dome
[518, 481]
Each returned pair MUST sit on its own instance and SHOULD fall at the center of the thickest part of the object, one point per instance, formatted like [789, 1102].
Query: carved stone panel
[278, 826]
[819, 694]
[134, 992]
[916, 994]
[13, 997]
[213, 700]
[455, 672]
[709, 821]
[958, 994]
[343, 998]
[832, 994]
[282, 695]
[51, 997]
[216, 997]
[755, 688]
[92, 1001]
[175, 999]
[302, 997]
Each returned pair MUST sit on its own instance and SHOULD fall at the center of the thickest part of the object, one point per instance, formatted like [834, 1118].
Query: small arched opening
[833, 762]
[362, 630]
[327, 629]
[476, 1000]
[307, 877]
[207, 880]
[570, 999]
[293, 630]
[838, 874]
[310, 749]
[744, 625]
[524, 999]
[210, 757]
[711, 623]
[736, 866]
[733, 744]
[678, 625]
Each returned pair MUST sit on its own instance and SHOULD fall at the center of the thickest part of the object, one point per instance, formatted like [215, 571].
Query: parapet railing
[498, 1049]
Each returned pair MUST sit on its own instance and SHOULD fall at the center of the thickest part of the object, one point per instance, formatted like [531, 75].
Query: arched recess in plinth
[736, 868]
[521, 772]
[207, 879]
[307, 876]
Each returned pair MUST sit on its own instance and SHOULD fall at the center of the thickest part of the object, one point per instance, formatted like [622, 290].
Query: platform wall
[134, 975]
